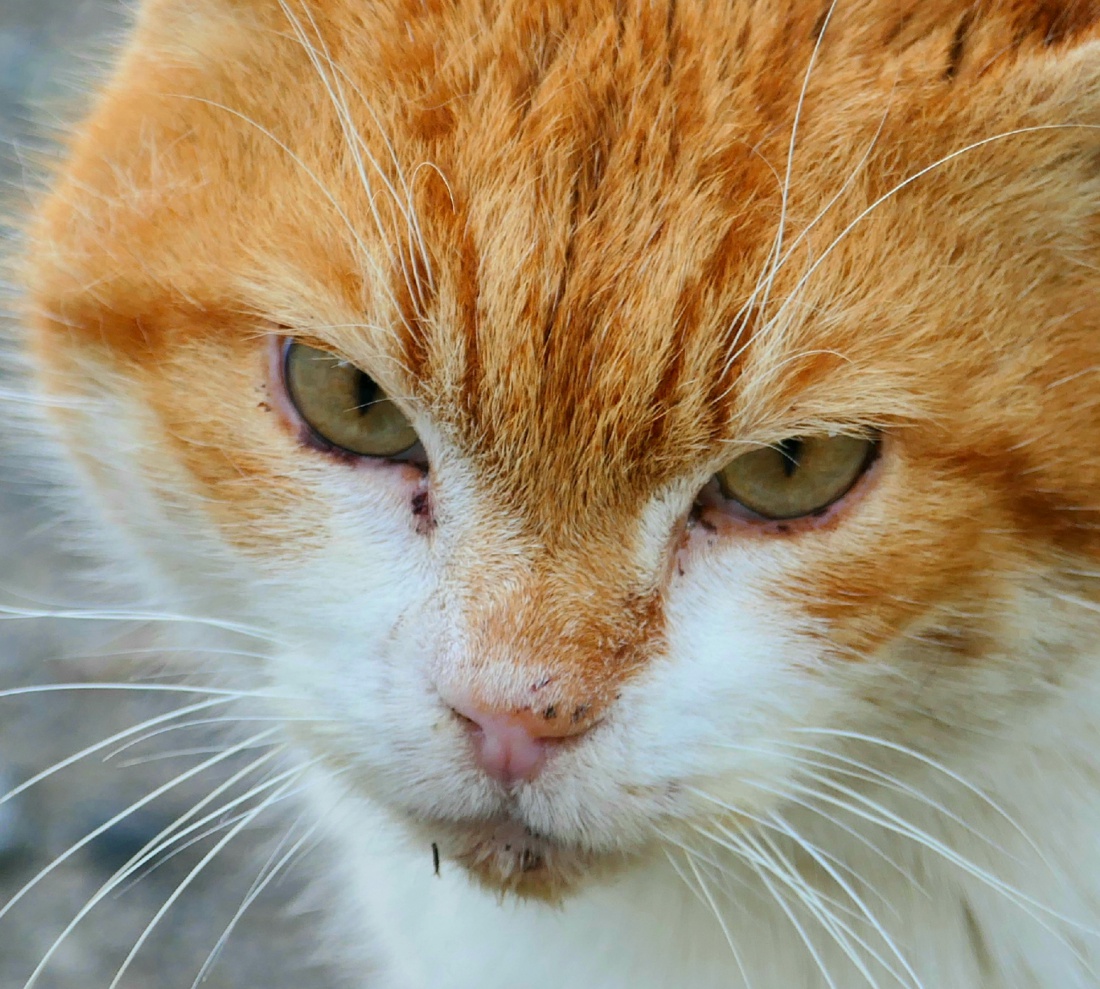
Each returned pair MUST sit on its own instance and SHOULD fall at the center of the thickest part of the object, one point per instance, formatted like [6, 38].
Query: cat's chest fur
[649, 450]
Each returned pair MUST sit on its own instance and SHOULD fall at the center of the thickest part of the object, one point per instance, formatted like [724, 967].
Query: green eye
[798, 477]
[344, 406]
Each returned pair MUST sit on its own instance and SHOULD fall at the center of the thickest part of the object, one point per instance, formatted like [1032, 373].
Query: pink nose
[512, 746]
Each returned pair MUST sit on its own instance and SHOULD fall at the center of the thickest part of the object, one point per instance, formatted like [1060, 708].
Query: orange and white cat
[659, 444]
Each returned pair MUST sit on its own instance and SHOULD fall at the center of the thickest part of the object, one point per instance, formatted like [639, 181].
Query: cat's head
[602, 407]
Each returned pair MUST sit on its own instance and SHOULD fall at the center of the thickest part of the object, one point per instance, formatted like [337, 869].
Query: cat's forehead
[596, 239]
[583, 213]
[601, 216]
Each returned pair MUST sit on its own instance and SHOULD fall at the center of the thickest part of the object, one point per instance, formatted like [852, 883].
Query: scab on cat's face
[652, 447]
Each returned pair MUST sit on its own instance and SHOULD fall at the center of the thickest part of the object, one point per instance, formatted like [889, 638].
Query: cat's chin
[507, 857]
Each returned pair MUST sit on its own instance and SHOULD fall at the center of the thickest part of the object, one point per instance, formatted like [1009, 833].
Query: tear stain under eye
[421, 506]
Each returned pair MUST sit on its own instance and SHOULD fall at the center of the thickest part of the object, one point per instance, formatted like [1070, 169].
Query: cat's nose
[513, 745]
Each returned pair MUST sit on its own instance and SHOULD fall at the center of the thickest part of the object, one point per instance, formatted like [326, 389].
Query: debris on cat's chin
[435, 858]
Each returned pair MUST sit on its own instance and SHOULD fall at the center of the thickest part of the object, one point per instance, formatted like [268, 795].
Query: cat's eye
[344, 406]
[797, 477]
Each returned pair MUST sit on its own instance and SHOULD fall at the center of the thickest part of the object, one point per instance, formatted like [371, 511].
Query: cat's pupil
[790, 450]
[366, 393]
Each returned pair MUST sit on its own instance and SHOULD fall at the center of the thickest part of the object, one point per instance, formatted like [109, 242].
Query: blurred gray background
[50, 52]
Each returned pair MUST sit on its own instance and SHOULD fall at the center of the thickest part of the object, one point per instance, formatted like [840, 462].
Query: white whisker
[121, 816]
[272, 872]
[905, 183]
[191, 876]
[107, 742]
[148, 852]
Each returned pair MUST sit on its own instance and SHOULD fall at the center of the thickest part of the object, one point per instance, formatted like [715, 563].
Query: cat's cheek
[742, 675]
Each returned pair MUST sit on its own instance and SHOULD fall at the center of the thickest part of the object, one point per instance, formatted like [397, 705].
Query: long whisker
[699, 855]
[150, 850]
[783, 795]
[839, 194]
[780, 900]
[191, 876]
[272, 872]
[822, 860]
[408, 210]
[106, 742]
[187, 753]
[884, 818]
[121, 816]
[938, 767]
[869, 774]
[11, 613]
[905, 183]
[738, 961]
[785, 198]
[352, 139]
[221, 823]
[209, 722]
[365, 254]
[766, 823]
[819, 905]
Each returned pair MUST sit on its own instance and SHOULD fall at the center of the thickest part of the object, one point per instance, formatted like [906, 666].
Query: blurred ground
[49, 49]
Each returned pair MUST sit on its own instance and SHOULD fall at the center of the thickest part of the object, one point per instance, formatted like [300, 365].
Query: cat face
[633, 280]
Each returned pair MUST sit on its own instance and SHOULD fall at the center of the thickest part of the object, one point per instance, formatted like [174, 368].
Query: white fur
[991, 771]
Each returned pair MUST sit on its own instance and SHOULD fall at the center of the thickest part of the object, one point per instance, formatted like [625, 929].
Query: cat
[653, 445]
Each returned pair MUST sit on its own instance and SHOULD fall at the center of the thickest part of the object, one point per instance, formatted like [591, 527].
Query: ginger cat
[655, 444]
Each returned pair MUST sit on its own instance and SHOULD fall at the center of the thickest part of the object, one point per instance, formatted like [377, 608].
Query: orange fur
[600, 203]
[548, 228]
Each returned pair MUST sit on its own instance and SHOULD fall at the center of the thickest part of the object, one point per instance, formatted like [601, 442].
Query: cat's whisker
[721, 869]
[937, 766]
[210, 722]
[824, 860]
[777, 252]
[13, 612]
[31, 398]
[876, 814]
[905, 183]
[839, 194]
[271, 870]
[820, 905]
[730, 842]
[352, 140]
[193, 874]
[869, 774]
[165, 688]
[186, 753]
[708, 896]
[359, 150]
[166, 650]
[813, 808]
[137, 805]
[810, 848]
[776, 368]
[104, 743]
[823, 908]
[153, 848]
[777, 896]
[199, 830]
[408, 209]
[363, 251]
